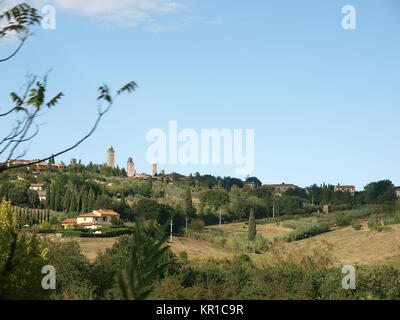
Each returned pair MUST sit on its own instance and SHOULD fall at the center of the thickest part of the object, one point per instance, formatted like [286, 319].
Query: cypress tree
[84, 203]
[189, 210]
[72, 206]
[52, 197]
[67, 200]
[91, 200]
[57, 201]
[79, 201]
[48, 197]
[252, 226]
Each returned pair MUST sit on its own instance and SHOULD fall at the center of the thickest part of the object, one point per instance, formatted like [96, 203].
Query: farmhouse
[350, 189]
[280, 187]
[40, 188]
[93, 220]
[397, 190]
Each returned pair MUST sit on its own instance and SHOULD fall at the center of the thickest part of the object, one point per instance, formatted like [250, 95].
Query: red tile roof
[69, 221]
[107, 212]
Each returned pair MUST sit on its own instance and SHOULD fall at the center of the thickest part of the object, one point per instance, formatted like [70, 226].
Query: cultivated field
[347, 246]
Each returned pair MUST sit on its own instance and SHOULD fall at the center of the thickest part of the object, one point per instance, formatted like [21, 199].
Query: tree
[257, 183]
[33, 100]
[72, 206]
[189, 210]
[57, 201]
[91, 200]
[252, 226]
[380, 192]
[52, 196]
[116, 222]
[17, 251]
[67, 200]
[145, 263]
[48, 197]
[214, 197]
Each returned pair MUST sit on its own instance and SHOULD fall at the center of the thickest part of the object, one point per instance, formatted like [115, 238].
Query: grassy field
[358, 247]
[269, 231]
[347, 246]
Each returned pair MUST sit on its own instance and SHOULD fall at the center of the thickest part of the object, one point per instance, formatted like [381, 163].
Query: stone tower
[130, 168]
[110, 157]
[154, 169]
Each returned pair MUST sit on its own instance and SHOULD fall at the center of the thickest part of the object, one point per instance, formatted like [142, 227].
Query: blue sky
[323, 101]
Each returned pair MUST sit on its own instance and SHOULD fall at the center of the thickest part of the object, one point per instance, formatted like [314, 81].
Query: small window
[104, 218]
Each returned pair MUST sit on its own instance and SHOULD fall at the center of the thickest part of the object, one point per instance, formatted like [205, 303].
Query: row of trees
[20, 194]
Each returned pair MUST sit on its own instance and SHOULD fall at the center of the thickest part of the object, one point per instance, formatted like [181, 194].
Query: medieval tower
[154, 169]
[110, 157]
[130, 168]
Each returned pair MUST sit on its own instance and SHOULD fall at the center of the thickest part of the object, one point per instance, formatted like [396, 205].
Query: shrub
[252, 226]
[356, 225]
[196, 225]
[372, 220]
[304, 232]
[183, 255]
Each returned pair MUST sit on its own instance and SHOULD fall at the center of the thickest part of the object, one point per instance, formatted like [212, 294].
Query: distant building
[35, 164]
[280, 187]
[142, 176]
[327, 208]
[162, 172]
[350, 189]
[40, 188]
[130, 168]
[154, 169]
[94, 220]
[72, 161]
[250, 184]
[397, 190]
[110, 157]
[37, 186]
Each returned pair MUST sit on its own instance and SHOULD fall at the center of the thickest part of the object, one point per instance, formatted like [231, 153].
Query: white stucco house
[93, 220]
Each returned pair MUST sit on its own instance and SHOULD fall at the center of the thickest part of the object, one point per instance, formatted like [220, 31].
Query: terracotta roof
[107, 212]
[37, 185]
[87, 215]
[69, 221]
[88, 224]
[141, 176]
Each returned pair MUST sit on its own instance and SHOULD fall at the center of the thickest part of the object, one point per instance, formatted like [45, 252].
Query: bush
[305, 232]
[183, 255]
[356, 225]
[372, 220]
[105, 232]
[196, 225]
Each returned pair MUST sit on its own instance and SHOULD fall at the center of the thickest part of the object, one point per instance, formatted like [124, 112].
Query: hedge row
[105, 233]
[304, 232]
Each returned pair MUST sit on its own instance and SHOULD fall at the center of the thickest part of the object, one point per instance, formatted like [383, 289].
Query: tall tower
[154, 169]
[110, 157]
[130, 168]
